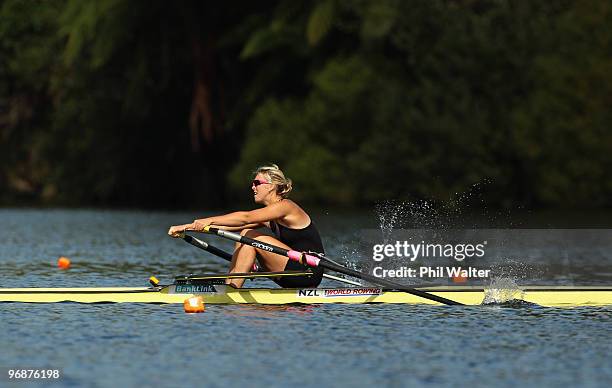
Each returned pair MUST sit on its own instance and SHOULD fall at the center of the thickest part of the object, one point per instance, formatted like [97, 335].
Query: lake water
[310, 346]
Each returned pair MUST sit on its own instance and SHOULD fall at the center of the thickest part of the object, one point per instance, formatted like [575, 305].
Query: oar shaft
[386, 283]
[314, 261]
[208, 248]
[293, 255]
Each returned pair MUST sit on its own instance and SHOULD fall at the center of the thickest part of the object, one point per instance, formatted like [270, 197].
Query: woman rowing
[291, 225]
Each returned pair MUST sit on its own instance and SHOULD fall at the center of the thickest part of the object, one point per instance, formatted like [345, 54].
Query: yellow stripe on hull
[219, 294]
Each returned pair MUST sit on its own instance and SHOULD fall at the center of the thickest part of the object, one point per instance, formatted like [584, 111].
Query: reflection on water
[271, 311]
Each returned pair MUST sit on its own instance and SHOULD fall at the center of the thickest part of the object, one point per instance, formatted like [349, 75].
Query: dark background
[157, 104]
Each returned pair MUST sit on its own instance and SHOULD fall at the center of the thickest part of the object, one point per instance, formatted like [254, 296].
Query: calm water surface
[325, 345]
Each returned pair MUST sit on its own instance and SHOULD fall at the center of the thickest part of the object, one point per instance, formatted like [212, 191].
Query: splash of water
[390, 215]
[455, 214]
[428, 214]
[502, 290]
[514, 270]
[504, 285]
[348, 254]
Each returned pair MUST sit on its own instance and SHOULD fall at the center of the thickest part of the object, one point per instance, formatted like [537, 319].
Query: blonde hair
[276, 176]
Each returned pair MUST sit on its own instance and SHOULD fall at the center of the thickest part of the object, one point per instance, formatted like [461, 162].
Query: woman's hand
[199, 225]
[176, 231]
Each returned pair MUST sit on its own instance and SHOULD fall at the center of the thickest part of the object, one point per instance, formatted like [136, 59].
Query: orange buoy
[194, 304]
[459, 279]
[63, 262]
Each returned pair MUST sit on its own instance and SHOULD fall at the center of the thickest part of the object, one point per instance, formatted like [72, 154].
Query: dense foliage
[148, 103]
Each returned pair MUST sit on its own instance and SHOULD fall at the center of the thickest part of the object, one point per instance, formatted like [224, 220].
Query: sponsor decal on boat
[195, 289]
[333, 292]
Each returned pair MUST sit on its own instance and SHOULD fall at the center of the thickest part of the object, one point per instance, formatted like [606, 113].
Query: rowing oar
[314, 260]
[228, 256]
[207, 247]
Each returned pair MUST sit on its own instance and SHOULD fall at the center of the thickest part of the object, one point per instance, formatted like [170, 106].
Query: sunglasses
[257, 182]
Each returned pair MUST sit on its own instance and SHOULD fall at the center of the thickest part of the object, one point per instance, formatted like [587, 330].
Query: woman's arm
[243, 218]
[236, 220]
[178, 230]
[239, 228]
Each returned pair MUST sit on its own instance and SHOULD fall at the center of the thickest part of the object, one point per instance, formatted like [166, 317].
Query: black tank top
[302, 240]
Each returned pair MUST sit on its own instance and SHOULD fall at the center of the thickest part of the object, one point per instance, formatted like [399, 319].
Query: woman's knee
[252, 233]
[263, 237]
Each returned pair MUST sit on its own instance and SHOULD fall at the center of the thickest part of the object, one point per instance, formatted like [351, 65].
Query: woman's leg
[245, 255]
